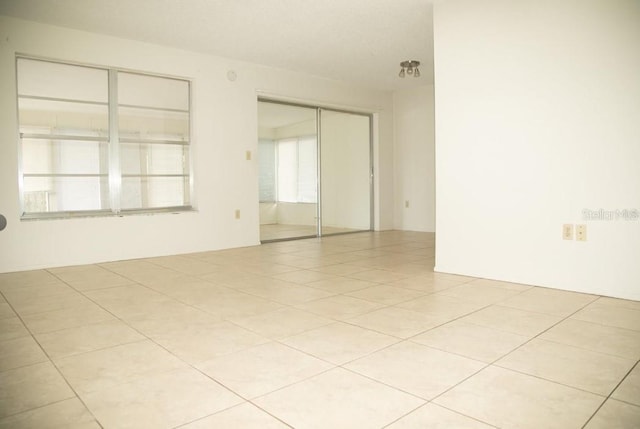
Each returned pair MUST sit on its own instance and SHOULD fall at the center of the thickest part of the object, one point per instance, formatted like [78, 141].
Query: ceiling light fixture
[409, 67]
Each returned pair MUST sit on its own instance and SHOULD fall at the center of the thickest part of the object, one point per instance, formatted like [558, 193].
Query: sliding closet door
[288, 177]
[345, 177]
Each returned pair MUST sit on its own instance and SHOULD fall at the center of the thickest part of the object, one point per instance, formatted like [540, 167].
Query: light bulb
[417, 73]
[401, 72]
[409, 70]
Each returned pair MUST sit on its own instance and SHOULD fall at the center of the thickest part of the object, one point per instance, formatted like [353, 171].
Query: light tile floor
[350, 331]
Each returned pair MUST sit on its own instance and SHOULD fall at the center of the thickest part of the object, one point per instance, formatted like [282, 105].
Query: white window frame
[115, 174]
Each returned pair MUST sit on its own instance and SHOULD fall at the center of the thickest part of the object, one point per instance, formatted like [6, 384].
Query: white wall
[414, 159]
[224, 127]
[538, 118]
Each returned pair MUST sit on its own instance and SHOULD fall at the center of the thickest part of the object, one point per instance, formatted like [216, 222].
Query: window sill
[104, 213]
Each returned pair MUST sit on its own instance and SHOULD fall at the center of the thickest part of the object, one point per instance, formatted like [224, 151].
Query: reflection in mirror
[288, 162]
[345, 172]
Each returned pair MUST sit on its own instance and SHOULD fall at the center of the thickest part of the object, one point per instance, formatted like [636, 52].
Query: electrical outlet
[567, 231]
[248, 155]
[237, 214]
[581, 232]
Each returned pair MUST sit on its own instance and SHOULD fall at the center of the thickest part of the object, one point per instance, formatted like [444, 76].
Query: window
[288, 170]
[101, 141]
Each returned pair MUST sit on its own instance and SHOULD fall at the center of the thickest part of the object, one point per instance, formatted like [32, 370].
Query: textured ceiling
[357, 41]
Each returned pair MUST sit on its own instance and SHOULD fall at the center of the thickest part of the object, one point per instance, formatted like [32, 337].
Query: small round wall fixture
[3, 222]
[409, 67]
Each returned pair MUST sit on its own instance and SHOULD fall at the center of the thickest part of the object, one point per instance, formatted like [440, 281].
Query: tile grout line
[192, 366]
[407, 339]
[491, 364]
[333, 366]
[50, 360]
[188, 364]
[609, 395]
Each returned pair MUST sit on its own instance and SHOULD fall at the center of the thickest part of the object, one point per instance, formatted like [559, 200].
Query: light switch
[567, 231]
[581, 232]
[248, 155]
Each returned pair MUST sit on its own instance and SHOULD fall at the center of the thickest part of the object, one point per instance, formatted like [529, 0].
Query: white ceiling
[358, 41]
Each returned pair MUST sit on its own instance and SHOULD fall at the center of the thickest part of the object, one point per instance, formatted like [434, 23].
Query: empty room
[320, 214]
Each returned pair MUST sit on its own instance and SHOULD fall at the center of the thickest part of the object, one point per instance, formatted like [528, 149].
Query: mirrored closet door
[314, 171]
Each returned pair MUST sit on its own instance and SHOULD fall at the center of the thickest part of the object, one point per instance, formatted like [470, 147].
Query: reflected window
[267, 177]
[288, 170]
